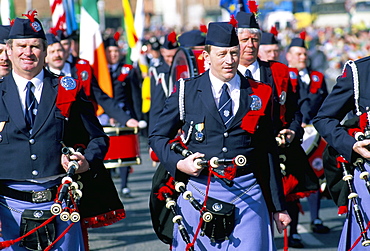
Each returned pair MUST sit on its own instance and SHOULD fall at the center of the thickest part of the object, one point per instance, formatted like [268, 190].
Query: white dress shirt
[22, 87]
[234, 90]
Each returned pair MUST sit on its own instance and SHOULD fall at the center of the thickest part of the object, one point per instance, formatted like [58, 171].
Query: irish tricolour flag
[92, 47]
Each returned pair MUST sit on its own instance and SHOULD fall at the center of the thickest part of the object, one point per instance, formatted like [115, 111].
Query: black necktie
[31, 106]
[248, 73]
[225, 106]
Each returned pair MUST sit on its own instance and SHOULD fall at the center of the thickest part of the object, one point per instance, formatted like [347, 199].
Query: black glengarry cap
[221, 34]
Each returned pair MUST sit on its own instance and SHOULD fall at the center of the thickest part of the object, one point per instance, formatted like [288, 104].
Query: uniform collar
[22, 82]
[217, 84]
[254, 68]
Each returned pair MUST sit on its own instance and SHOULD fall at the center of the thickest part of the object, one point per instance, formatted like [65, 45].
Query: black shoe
[317, 226]
[295, 241]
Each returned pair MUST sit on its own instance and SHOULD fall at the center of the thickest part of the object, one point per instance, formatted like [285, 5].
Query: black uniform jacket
[293, 115]
[40, 152]
[157, 95]
[38, 155]
[340, 102]
[218, 141]
[97, 95]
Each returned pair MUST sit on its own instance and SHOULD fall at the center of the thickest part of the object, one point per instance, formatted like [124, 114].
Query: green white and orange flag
[92, 47]
[7, 11]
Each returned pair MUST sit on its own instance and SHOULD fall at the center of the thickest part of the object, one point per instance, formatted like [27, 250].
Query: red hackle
[302, 35]
[172, 37]
[274, 31]
[233, 21]
[203, 28]
[253, 7]
[11, 21]
[54, 31]
[31, 15]
[116, 36]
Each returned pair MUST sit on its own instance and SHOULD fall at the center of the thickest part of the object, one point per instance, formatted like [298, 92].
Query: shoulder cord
[161, 77]
[181, 99]
[182, 110]
[356, 83]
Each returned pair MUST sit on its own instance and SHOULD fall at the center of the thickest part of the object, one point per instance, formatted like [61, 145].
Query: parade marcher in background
[5, 64]
[287, 119]
[312, 91]
[153, 52]
[224, 132]
[83, 71]
[159, 79]
[193, 39]
[126, 93]
[36, 117]
[269, 47]
[350, 95]
[67, 43]
[57, 64]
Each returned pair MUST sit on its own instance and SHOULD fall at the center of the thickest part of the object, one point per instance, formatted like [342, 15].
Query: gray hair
[251, 30]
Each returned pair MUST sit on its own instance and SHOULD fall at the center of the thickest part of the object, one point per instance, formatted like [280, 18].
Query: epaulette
[356, 83]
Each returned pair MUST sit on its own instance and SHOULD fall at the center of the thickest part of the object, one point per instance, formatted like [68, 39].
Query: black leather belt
[241, 171]
[30, 196]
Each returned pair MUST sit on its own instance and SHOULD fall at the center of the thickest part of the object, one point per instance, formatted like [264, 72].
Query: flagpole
[28, 4]
[101, 5]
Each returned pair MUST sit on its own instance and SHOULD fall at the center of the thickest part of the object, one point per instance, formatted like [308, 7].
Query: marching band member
[33, 124]
[126, 94]
[159, 78]
[312, 91]
[287, 119]
[222, 114]
[349, 95]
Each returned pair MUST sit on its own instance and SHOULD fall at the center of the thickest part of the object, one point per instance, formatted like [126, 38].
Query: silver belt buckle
[41, 196]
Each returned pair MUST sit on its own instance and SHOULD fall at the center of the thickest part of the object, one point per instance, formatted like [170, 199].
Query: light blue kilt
[10, 216]
[351, 230]
[252, 222]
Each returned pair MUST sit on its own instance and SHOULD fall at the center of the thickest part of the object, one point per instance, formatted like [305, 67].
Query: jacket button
[1, 138]
[226, 134]
[33, 157]
[32, 141]
[35, 172]
[224, 149]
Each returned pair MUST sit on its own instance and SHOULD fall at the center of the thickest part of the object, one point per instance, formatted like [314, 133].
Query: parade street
[136, 232]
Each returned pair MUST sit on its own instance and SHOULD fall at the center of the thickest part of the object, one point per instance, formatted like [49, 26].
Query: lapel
[47, 101]
[13, 103]
[265, 71]
[244, 103]
[206, 96]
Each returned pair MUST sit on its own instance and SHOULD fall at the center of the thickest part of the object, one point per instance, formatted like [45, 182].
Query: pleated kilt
[10, 216]
[252, 222]
[351, 230]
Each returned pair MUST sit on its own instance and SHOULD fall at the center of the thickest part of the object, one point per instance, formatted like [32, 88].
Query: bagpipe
[69, 191]
[342, 182]
[348, 178]
[216, 224]
[38, 226]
